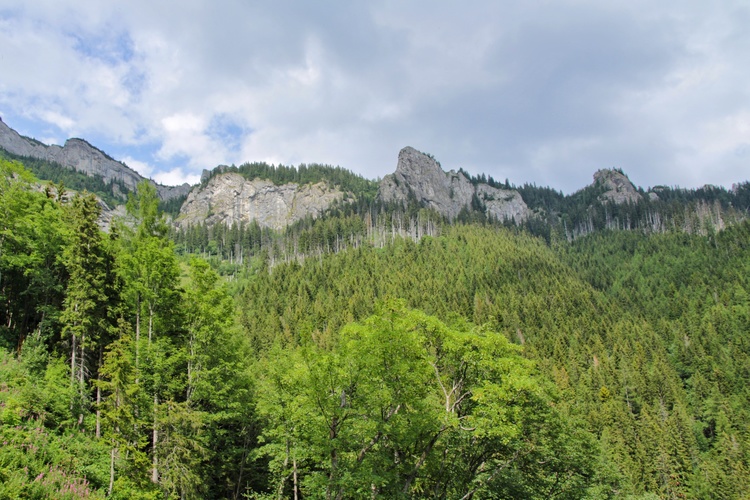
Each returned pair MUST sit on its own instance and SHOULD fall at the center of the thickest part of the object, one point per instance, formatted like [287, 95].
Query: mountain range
[294, 330]
[77, 154]
[243, 195]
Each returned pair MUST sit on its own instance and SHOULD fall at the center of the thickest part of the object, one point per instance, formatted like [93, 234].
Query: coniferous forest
[375, 352]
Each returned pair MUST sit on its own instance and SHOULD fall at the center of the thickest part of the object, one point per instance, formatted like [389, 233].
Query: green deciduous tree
[31, 274]
[406, 405]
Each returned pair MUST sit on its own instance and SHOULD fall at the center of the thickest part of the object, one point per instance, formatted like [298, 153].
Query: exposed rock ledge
[229, 198]
[619, 188]
[446, 192]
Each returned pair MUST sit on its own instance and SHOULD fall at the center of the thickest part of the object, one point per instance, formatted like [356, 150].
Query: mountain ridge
[80, 155]
[229, 198]
[421, 176]
[418, 177]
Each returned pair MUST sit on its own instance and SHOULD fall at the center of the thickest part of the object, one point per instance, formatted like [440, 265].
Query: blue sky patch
[110, 47]
[225, 129]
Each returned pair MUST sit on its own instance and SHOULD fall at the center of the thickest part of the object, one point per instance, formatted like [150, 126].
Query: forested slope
[645, 336]
[419, 360]
[121, 373]
[692, 291]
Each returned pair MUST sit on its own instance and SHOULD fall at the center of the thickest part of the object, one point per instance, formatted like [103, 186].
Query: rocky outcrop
[619, 189]
[219, 169]
[448, 193]
[503, 204]
[79, 155]
[229, 198]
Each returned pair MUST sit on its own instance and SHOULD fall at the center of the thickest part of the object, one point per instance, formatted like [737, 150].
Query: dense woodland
[379, 351]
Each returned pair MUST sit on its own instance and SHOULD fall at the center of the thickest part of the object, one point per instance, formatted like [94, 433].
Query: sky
[544, 92]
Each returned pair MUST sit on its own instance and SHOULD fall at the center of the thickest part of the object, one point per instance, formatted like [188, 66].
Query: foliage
[649, 351]
[172, 206]
[304, 174]
[113, 193]
[32, 276]
[408, 406]
[377, 351]
[36, 461]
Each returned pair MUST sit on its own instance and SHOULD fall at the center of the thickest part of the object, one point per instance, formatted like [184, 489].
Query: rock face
[230, 198]
[79, 155]
[446, 192]
[619, 188]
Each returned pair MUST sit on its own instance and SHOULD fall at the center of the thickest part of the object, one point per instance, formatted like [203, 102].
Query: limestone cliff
[79, 155]
[619, 189]
[446, 192]
[229, 198]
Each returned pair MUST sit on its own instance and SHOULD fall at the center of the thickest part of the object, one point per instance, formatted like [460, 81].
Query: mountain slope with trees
[378, 351]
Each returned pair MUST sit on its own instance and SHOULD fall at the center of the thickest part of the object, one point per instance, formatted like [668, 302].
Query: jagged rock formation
[219, 169]
[79, 155]
[448, 193]
[229, 198]
[619, 188]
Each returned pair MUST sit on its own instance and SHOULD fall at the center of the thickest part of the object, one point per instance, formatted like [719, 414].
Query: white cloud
[176, 177]
[58, 120]
[543, 93]
[139, 166]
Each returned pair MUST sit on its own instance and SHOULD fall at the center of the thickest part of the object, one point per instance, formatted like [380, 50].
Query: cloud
[535, 91]
[176, 177]
[139, 166]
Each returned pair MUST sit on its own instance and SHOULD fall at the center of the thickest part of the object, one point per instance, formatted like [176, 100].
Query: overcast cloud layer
[544, 92]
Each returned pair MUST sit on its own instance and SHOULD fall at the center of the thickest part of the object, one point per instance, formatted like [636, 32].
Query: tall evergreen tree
[85, 315]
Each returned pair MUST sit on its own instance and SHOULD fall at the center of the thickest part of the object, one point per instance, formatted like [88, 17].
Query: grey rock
[503, 204]
[619, 188]
[81, 156]
[421, 175]
[218, 169]
[230, 198]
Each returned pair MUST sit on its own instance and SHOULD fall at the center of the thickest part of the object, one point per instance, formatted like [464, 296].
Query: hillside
[612, 365]
[420, 194]
[618, 320]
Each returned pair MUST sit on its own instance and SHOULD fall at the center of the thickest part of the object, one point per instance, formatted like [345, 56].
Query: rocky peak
[230, 198]
[81, 156]
[219, 169]
[413, 164]
[446, 192]
[619, 189]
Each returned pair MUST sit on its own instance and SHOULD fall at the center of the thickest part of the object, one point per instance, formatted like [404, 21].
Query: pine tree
[84, 315]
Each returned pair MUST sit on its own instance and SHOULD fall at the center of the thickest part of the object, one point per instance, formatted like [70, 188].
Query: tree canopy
[376, 352]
